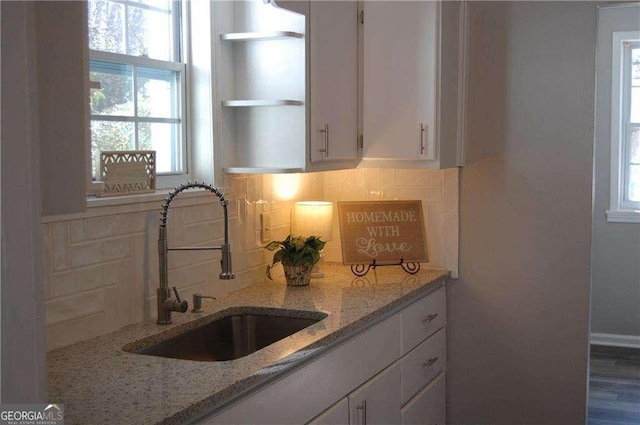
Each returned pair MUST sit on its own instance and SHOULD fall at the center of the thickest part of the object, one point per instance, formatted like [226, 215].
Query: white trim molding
[620, 125]
[615, 340]
[623, 216]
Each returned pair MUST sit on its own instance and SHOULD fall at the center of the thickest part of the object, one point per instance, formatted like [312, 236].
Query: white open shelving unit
[262, 87]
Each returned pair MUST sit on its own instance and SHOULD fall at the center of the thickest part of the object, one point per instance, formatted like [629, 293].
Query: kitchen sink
[236, 334]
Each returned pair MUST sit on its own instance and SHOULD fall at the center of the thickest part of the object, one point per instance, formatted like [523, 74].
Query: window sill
[97, 207]
[96, 202]
[621, 216]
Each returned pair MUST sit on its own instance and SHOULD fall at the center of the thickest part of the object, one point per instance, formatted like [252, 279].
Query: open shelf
[261, 102]
[261, 170]
[248, 36]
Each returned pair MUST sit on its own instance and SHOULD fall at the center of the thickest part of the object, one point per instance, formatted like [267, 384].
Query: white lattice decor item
[127, 172]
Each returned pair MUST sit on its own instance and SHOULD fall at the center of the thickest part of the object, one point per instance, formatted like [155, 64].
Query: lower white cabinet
[422, 364]
[367, 380]
[377, 402]
[428, 406]
[338, 414]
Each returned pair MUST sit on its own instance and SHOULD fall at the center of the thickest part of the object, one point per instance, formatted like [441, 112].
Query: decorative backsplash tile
[101, 268]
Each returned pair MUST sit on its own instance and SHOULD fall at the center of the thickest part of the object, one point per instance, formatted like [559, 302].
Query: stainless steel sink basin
[236, 334]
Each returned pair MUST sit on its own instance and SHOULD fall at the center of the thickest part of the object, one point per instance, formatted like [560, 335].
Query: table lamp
[313, 218]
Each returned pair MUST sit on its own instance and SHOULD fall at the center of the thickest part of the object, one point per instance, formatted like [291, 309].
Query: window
[137, 72]
[625, 126]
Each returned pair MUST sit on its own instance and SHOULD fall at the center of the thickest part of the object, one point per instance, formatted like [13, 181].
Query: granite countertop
[99, 383]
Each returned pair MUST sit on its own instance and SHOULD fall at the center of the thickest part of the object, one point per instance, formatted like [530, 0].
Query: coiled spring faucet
[166, 304]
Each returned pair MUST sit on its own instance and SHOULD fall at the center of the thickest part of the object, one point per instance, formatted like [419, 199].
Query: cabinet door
[428, 406]
[378, 400]
[334, 80]
[338, 414]
[400, 70]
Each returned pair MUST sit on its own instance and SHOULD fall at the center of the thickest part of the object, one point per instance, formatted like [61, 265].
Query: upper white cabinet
[411, 83]
[334, 80]
[326, 85]
[287, 86]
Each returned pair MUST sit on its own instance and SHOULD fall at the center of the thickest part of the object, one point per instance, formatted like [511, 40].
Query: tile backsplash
[101, 266]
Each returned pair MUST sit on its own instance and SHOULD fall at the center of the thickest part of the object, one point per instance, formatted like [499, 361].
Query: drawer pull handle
[430, 318]
[430, 362]
[363, 407]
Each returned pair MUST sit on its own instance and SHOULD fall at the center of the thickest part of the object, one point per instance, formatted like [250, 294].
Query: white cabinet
[422, 364]
[377, 402]
[422, 319]
[428, 406]
[338, 414]
[368, 379]
[334, 80]
[287, 86]
[410, 94]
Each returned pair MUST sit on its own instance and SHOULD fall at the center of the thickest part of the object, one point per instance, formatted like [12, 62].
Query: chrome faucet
[166, 304]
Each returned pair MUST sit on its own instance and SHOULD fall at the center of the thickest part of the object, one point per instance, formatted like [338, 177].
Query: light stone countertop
[99, 383]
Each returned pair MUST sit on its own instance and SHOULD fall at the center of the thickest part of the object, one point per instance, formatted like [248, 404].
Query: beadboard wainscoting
[101, 266]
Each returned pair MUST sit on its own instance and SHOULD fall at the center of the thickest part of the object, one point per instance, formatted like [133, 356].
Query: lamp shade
[313, 218]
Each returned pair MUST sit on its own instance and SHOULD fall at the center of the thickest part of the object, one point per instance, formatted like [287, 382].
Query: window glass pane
[635, 84]
[115, 97]
[634, 147]
[635, 104]
[634, 183]
[106, 26]
[110, 136]
[150, 33]
[157, 93]
[165, 140]
[635, 67]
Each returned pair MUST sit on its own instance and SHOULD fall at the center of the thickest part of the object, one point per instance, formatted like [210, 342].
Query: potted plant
[298, 255]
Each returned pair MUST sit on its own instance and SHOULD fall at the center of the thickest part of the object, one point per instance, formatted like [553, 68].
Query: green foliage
[295, 251]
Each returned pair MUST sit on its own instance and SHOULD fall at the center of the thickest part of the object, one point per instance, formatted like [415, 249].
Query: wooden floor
[614, 386]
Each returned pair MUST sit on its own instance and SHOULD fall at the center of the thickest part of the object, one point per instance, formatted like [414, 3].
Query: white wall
[62, 104]
[615, 262]
[518, 316]
[23, 374]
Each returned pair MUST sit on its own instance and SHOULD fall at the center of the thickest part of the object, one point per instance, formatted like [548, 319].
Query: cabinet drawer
[423, 364]
[428, 406]
[422, 319]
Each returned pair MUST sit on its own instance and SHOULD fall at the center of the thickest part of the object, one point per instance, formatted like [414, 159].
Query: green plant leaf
[272, 245]
[277, 257]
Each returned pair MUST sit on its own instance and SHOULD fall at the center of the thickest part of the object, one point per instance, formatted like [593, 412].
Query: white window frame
[621, 208]
[181, 31]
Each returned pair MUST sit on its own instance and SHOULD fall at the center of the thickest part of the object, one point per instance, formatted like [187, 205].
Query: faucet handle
[175, 291]
[178, 304]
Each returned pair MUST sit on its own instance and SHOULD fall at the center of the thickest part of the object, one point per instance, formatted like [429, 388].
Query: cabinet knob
[430, 318]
